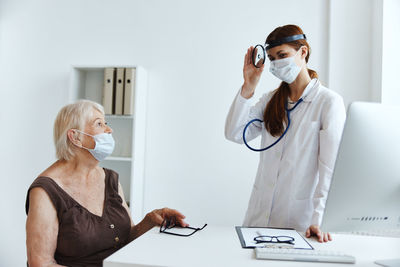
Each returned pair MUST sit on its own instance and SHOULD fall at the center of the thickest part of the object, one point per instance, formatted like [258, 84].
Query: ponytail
[313, 74]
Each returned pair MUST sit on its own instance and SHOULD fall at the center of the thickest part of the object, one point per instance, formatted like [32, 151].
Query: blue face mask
[104, 145]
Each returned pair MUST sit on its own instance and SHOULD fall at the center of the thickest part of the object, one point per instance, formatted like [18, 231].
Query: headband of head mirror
[285, 40]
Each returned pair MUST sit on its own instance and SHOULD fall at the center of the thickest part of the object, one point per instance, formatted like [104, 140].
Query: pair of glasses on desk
[169, 224]
[282, 239]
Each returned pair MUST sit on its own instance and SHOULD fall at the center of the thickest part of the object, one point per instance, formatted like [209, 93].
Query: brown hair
[275, 113]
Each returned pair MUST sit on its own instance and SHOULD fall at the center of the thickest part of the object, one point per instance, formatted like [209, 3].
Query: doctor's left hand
[314, 230]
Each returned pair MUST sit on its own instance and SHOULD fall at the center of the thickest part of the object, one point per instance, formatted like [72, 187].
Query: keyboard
[382, 233]
[302, 255]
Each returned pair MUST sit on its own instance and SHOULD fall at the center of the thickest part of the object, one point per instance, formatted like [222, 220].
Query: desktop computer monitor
[364, 195]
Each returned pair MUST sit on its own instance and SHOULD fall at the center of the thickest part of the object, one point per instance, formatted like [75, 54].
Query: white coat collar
[311, 90]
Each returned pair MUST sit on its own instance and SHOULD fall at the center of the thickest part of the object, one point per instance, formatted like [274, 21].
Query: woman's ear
[304, 51]
[73, 136]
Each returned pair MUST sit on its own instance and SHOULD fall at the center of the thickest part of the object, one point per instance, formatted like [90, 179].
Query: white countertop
[220, 246]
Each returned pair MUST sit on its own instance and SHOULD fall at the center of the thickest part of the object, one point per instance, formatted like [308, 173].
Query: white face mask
[104, 145]
[285, 69]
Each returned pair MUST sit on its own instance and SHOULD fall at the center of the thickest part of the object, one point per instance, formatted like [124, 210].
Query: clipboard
[246, 235]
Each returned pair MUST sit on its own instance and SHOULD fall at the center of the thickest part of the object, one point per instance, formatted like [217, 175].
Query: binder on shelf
[129, 97]
[119, 92]
[108, 90]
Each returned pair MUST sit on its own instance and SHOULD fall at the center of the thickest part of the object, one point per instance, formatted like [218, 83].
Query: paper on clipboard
[247, 234]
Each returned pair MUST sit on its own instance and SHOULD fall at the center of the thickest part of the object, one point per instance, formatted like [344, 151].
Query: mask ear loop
[80, 140]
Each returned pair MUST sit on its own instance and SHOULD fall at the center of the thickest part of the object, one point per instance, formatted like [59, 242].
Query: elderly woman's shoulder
[52, 171]
[111, 173]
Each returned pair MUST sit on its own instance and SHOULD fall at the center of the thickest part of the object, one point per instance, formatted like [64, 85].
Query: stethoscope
[274, 143]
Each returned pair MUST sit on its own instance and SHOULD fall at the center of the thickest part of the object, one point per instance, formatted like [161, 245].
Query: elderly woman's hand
[156, 217]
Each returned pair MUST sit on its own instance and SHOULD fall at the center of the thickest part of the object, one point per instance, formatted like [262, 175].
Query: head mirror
[258, 56]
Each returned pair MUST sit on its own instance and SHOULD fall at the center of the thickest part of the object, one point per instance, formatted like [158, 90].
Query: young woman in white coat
[293, 176]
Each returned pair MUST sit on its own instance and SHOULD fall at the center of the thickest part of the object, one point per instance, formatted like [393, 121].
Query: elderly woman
[77, 214]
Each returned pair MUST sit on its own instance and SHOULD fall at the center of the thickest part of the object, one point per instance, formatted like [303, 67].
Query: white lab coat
[293, 177]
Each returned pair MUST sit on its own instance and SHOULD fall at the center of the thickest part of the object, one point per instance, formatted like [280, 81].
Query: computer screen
[365, 189]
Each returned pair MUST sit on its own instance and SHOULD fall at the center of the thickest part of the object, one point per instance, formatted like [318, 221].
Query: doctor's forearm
[247, 91]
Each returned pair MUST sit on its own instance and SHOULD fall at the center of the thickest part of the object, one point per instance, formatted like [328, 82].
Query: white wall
[363, 50]
[352, 49]
[193, 52]
[391, 53]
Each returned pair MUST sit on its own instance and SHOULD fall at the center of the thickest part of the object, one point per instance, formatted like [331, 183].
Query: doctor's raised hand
[251, 74]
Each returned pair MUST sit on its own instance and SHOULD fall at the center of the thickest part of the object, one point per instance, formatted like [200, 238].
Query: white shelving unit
[128, 130]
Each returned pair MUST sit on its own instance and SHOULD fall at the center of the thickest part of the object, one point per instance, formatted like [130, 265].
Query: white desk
[220, 246]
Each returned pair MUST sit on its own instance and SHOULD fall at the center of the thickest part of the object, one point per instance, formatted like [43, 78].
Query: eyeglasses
[167, 224]
[274, 239]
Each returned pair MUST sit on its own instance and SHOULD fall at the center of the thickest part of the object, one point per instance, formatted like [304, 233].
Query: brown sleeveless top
[85, 239]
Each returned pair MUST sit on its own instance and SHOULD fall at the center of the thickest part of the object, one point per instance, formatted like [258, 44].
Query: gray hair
[72, 116]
